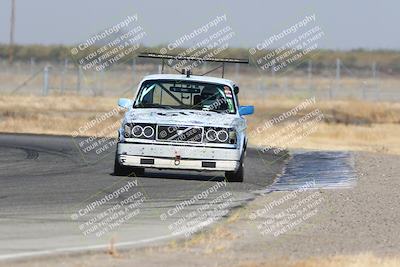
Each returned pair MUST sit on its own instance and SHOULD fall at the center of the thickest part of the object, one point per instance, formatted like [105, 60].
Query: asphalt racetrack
[47, 185]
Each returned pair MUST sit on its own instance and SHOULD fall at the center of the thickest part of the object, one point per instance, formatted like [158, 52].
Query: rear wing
[187, 71]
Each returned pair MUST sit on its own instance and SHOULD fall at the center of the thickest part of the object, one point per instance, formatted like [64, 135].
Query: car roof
[207, 79]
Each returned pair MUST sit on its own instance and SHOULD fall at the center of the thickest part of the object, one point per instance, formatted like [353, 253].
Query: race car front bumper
[167, 156]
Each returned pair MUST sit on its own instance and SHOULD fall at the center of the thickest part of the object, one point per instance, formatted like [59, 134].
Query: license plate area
[184, 134]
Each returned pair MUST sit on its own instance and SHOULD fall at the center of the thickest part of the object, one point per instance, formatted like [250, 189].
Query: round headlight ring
[222, 136]
[211, 135]
[148, 131]
[137, 131]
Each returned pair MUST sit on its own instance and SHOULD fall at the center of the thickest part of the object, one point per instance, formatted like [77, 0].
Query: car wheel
[119, 169]
[236, 176]
[137, 171]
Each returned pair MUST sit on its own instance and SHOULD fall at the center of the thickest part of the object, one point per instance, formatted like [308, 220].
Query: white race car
[183, 122]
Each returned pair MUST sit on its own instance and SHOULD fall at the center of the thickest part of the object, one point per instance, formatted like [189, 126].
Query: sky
[367, 24]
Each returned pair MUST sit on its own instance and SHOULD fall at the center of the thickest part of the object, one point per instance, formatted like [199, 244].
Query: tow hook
[177, 160]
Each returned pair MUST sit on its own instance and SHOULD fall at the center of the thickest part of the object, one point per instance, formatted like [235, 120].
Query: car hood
[182, 117]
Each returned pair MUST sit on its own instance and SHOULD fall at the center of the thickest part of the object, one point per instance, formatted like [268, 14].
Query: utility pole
[375, 80]
[309, 76]
[12, 30]
[337, 69]
[45, 81]
[374, 70]
[78, 79]
[338, 74]
[133, 70]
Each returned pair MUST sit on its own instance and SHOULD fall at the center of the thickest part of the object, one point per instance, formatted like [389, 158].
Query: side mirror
[246, 110]
[124, 102]
[236, 89]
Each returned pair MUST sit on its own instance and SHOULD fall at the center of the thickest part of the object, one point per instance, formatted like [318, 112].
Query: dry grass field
[362, 260]
[346, 125]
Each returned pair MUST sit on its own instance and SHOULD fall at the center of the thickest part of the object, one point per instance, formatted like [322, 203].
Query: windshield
[177, 94]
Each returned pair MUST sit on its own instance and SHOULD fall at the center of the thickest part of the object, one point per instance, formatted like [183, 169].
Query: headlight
[148, 131]
[220, 135]
[139, 130]
[211, 135]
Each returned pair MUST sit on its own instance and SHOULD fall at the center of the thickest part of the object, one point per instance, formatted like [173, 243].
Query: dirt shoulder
[353, 225]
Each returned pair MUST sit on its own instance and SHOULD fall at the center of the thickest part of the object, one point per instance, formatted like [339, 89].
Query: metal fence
[332, 82]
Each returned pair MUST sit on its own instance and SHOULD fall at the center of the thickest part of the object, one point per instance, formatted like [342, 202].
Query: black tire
[137, 171]
[121, 170]
[236, 176]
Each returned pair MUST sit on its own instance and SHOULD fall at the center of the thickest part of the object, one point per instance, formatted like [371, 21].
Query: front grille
[172, 133]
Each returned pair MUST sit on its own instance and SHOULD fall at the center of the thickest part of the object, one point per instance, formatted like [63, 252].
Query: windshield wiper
[214, 110]
[153, 106]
